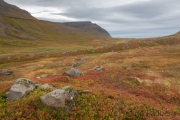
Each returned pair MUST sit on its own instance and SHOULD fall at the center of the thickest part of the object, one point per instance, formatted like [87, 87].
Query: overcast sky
[121, 18]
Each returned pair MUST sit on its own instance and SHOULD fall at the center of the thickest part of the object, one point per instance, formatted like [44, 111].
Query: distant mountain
[88, 28]
[16, 23]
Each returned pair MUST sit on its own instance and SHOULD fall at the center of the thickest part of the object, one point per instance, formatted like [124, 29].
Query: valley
[91, 74]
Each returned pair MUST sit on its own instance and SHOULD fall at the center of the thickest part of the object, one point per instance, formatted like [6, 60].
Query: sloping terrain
[13, 11]
[140, 81]
[88, 28]
[18, 29]
[19, 24]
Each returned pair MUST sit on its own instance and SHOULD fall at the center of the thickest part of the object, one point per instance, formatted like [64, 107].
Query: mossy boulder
[20, 88]
[60, 98]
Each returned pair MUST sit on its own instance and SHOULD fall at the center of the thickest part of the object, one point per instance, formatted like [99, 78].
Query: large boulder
[74, 72]
[60, 98]
[20, 88]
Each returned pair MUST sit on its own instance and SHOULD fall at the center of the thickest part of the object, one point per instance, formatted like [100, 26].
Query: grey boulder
[20, 88]
[60, 98]
[74, 72]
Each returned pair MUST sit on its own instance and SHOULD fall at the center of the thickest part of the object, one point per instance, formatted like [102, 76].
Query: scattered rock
[74, 72]
[75, 64]
[46, 86]
[42, 76]
[79, 61]
[60, 98]
[82, 60]
[31, 55]
[20, 88]
[98, 68]
[6, 72]
[125, 46]
[137, 79]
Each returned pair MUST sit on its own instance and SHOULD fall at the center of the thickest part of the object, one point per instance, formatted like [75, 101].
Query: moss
[68, 102]
[68, 88]
[67, 78]
[23, 81]
[140, 65]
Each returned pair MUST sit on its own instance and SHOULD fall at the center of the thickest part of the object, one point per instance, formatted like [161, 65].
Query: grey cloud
[148, 9]
[42, 11]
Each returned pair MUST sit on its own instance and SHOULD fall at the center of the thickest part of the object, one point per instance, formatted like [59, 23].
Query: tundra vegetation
[105, 78]
[139, 80]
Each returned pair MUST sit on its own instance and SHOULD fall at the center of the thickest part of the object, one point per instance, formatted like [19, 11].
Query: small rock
[46, 86]
[20, 88]
[74, 72]
[42, 76]
[82, 60]
[79, 61]
[98, 68]
[6, 72]
[60, 98]
[75, 64]
[137, 79]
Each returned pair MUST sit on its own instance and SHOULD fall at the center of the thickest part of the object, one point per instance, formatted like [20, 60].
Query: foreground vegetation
[140, 81]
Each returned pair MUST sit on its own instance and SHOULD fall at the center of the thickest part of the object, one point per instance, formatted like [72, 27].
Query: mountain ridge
[87, 27]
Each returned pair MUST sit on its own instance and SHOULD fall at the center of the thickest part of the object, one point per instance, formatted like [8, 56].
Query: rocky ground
[135, 80]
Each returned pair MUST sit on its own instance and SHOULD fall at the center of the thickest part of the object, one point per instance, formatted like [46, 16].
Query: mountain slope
[88, 28]
[177, 34]
[21, 33]
[16, 23]
[13, 11]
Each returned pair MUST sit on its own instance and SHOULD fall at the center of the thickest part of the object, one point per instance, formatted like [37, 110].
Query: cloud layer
[121, 18]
